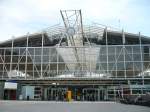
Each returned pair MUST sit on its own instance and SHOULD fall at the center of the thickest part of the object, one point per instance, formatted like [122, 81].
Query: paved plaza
[46, 106]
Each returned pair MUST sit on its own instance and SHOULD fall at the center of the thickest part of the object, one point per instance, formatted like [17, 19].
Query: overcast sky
[17, 17]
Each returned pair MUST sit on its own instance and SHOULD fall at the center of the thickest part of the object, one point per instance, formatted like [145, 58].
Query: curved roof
[94, 34]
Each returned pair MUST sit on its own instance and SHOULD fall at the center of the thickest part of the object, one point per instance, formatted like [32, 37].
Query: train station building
[75, 62]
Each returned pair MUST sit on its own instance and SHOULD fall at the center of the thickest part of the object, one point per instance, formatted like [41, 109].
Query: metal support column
[130, 91]
[141, 55]
[57, 62]
[19, 60]
[124, 57]
[33, 63]
[26, 62]
[116, 63]
[90, 55]
[49, 70]
[4, 64]
[107, 50]
[99, 94]
[115, 93]
[12, 42]
[42, 56]
[133, 62]
[122, 95]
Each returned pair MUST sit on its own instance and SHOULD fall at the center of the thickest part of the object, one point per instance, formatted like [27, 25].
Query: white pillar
[26, 61]
[107, 51]
[12, 46]
[141, 55]
[4, 64]
[33, 63]
[124, 58]
[57, 61]
[42, 55]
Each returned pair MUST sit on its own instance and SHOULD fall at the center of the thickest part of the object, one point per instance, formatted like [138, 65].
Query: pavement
[48, 106]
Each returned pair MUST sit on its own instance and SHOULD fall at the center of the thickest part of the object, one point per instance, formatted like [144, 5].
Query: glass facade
[98, 61]
[105, 65]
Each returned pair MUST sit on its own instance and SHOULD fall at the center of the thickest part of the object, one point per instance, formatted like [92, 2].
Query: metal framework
[103, 59]
[74, 29]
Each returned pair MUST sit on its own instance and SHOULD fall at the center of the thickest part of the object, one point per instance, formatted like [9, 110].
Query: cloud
[20, 16]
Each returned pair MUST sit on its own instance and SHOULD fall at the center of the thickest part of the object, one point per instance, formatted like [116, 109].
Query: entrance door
[10, 94]
[57, 94]
[90, 94]
[101, 95]
[77, 94]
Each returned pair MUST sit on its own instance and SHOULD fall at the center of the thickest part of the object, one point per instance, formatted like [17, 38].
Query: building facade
[105, 65]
